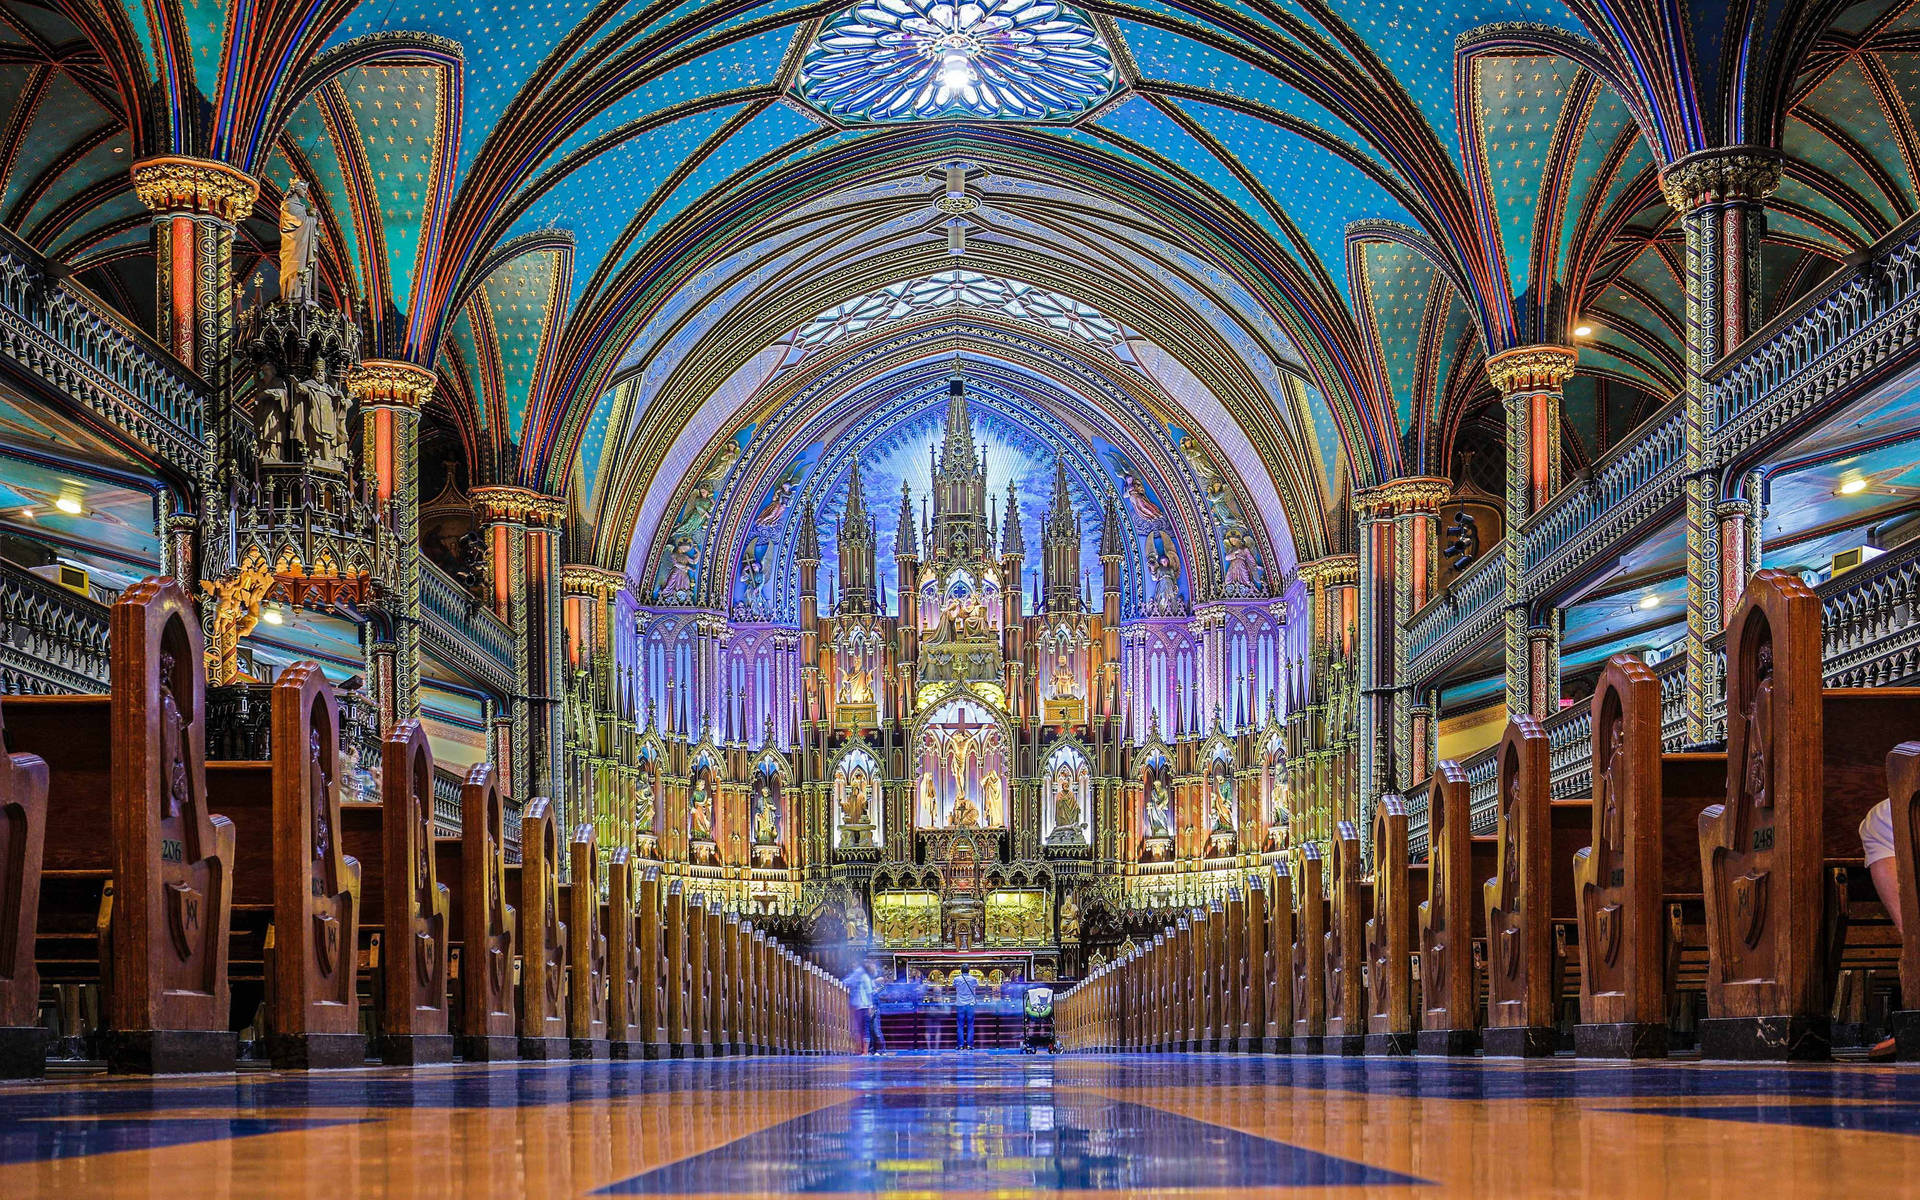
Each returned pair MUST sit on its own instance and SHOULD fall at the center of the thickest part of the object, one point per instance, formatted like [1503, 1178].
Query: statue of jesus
[297, 245]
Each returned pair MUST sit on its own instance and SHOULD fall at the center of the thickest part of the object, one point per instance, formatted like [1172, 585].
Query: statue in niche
[1070, 918]
[273, 415]
[700, 809]
[1064, 683]
[1066, 805]
[990, 797]
[1222, 801]
[322, 418]
[857, 688]
[766, 815]
[298, 246]
[1159, 810]
[643, 806]
[854, 802]
[929, 806]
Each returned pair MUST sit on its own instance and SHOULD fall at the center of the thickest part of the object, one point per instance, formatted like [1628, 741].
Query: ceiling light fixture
[1583, 331]
[272, 617]
[70, 506]
[1649, 601]
[1853, 487]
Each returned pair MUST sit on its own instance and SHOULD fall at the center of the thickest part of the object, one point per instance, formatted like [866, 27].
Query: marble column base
[23, 1051]
[1307, 1044]
[169, 1051]
[590, 1048]
[1449, 1043]
[1906, 1033]
[1626, 1039]
[539, 1048]
[495, 1048]
[1390, 1043]
[1803, 1038]
[1528, 1041]
[316, 1051]
[1349, 1045]
[415, 1049]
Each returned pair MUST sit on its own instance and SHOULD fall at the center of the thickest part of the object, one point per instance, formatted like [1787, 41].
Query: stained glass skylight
[903, 60]
[1023, 301]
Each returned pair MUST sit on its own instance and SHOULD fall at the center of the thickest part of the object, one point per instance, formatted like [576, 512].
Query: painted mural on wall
[679, 574]
[1242, 573]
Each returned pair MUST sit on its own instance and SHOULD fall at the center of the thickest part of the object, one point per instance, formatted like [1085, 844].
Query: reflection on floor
[979, 1124]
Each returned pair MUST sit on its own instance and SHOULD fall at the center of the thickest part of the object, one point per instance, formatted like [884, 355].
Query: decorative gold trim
[584, 579]
[1735, 173]
[391, 383]
[196, 186]
[498, 504]
[1537, 368]
[1412, 493]
[1333, 570]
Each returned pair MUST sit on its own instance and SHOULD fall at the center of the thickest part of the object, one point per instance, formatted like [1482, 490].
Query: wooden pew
[1345, 947]
[738, 981]
[23, 836]
[627, 978]
[1451, 917]
[587, 956]
[293, 880]
[405, 911]
[679, 982]
[1243, 991]
[1277, 970]
[475, 865]
[1309, 953]
[533, 889]
[763, 991]
[716, 994]
[1186, 981]
[1786, 898]
[137, 872]
[655, 969]
[1528, 896]
[1640, 869]
[1397, 887]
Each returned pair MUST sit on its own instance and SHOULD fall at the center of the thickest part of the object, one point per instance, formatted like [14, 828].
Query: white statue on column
[297, 244]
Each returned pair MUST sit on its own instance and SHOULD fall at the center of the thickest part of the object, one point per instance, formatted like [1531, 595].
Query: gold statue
[965, 815]
[236, 601]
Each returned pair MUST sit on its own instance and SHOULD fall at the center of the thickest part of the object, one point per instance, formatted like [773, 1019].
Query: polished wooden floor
[999, 1125]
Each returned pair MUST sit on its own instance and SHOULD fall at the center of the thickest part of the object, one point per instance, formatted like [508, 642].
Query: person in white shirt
[861, 990]
[1876, 843]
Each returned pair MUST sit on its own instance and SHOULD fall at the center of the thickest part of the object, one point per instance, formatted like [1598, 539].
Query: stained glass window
[901, 60]
[1022, 301]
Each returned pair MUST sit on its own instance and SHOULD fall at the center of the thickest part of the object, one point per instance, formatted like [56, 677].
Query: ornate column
[1397, 529]
[1721, 198]
[1333, 604]
[1530, 379]
[195, 203]
[522, 534]
[390, 395]
[589, 615]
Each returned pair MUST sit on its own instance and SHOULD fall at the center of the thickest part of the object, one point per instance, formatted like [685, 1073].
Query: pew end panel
[23, 836]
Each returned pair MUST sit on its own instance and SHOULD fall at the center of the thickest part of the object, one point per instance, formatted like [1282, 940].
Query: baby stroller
[1037, 1022]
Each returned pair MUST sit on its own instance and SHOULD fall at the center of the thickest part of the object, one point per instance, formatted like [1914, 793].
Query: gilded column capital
[1537, 368]
[498, 504]
[391, 383]
[585, 579]
[195, 187]
[1409, 494]
[1732, 173]
[1333, 570]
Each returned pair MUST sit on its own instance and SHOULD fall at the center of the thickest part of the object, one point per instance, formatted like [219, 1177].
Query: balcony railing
[465, 635]
[1642, 476]
[58, 332]
[1456, 620]
[52, 640]
[1847, 331]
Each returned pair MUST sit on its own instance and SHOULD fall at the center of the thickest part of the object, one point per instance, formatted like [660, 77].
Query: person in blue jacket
[965, 993]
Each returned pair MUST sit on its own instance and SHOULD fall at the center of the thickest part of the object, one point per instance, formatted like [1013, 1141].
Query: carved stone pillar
[390, 395]
[1333, 604]
[195, 204]
[1721, 198]
[522, 534]
[589, 620]
[1738, 521]
[1531, 379]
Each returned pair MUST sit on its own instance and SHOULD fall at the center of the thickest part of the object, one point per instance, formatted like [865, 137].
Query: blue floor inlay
[990, 1139]
[35, 1140]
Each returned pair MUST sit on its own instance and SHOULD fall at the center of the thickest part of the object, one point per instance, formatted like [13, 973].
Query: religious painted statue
[1066, 805]
[766, 815]
[298, 246]
[1222, 802]
[1159, 810]
[853, 804]
[928, 804]
[643, 805]
[965, 815]
[700, 810]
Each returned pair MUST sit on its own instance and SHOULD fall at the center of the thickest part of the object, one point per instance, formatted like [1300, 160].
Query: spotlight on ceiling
[1853, 487]
[1649, 601]
[272, 617]
[69, 505]
[1583, 331]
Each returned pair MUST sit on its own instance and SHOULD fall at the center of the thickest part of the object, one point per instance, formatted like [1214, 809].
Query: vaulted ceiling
[1290, 230]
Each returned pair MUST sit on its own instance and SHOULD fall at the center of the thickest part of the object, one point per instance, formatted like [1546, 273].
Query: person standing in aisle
[965, 993]
[866, 1026]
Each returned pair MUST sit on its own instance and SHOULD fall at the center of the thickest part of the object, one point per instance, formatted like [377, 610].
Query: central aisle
[983, 1124]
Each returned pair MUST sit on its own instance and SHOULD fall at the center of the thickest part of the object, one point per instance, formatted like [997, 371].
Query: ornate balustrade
[1628, 488]
[1459, 618]
[463, 634]
[1868, 616]
[52, 640]
[1853, 330]
[58, 332]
